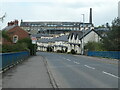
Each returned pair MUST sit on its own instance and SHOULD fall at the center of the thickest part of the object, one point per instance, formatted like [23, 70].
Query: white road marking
[1, 72]
[68, 59]
[110, 74]
[76, 62]
[89, 67]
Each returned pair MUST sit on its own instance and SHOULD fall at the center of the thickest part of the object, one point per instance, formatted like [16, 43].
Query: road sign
[34, 40]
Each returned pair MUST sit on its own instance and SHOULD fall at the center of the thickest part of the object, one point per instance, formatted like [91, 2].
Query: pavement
[31, 73]
[76, 71]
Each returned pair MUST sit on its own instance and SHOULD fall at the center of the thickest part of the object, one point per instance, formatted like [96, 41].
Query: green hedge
[22, 45]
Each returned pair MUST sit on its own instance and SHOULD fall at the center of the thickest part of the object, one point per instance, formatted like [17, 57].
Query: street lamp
[83, 33]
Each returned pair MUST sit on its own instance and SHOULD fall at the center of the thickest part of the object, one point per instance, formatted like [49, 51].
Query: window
[15, 39]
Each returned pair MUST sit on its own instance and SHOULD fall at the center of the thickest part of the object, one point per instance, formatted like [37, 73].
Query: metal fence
[106, 54]
[8, 59]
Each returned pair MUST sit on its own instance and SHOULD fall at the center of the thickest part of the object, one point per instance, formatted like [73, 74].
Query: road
[76, 71]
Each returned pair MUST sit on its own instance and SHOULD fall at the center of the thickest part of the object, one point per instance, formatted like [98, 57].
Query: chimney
[8, 24]
[90, 21]
[16, 22]
[13, 23]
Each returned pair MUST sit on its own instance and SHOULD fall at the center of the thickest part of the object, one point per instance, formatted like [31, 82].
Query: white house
[42, 45]
[78, 39]
[61, 43]
[56, 43]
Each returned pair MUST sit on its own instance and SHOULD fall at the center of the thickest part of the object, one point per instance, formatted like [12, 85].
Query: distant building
[119, 9]
[14, 32]
[53, 27]
[56, 44]
[56, 27]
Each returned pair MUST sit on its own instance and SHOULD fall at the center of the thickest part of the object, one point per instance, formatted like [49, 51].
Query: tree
[94, 46]
[29, 46]
[112, 41]
[5, 35]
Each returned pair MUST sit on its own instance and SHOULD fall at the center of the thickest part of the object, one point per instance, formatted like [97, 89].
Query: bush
[31, 47]
[94, 46]
[59, 51]
[14, 48]
[22, 45]
[73, 51]
[49, 49]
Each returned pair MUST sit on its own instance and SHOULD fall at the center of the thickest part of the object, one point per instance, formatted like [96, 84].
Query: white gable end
[92, 36]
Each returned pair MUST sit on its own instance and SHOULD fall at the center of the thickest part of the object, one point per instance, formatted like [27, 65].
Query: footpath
[31, 73]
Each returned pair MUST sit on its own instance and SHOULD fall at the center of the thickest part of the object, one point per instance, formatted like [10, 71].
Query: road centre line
[68, 59]
[89, 67]
[1, 72]
[110, 74]
[76, 62]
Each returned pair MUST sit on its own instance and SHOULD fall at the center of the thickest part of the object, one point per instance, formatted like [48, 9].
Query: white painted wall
[92, 36]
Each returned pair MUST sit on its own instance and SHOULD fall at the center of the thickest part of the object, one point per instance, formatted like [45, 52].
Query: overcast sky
[59, 10]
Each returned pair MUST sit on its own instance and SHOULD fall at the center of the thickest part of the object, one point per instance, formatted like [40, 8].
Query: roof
[54, 23]
[79, 34]
[9, 27]
[88, 31]
[61, 38]
[39, 35]
[76, 34]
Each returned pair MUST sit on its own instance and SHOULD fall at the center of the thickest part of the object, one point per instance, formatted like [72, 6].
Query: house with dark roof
[78, 39]
[56, 43]
[61, 43]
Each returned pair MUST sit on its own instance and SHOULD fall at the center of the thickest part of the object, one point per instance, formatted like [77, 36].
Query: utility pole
[83, 34]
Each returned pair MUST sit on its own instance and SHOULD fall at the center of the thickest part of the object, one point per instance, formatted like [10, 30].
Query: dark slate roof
[80, 34]
[57, 23]
[44, 40]
[9, 27]
[88, 31]
[75, 33]
[39, 35]
[61, 38]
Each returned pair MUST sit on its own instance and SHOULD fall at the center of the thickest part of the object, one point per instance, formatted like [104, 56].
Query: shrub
[94, 46]
[59, 51]
[49, 49]
[14, 48]
[73, 51]
[22, 45]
